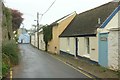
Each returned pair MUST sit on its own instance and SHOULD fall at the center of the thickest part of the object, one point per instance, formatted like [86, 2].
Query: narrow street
[38, 64]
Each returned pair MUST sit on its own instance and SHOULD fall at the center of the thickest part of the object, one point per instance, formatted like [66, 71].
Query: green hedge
[11, 50]
[5, 64]
[10, 56]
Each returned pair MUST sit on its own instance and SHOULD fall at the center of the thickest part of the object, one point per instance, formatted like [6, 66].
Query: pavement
[38, 64]
[90, 67]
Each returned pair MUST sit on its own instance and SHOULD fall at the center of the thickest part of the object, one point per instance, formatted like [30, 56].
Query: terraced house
[93, 34]
[82, 37]
[108, 40]
[57, 28]
[62, 23]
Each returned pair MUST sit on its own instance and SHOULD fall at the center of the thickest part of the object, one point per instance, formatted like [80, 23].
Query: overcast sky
[60, 8]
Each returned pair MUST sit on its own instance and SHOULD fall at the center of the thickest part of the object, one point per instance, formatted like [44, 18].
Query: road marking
[10, 73]
[72, 67]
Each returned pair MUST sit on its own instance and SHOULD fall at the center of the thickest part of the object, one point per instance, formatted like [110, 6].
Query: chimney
[99, 21]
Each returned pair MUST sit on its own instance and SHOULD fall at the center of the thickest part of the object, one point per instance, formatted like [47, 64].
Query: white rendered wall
[41, 42]
[94, 48]
[63, 44]
[113, 41]
[72, 46]
[36, 41]
[33, 40]
[113, 50]
[68, 45]
[113, 23]
[81, 46]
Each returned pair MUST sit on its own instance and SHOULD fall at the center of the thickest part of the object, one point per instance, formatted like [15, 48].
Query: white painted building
[32, 39]
[80, 38]
[112, 28]
[41, 41]
[23, 36]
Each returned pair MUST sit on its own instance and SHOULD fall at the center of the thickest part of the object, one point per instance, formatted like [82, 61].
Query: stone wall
[0, 39]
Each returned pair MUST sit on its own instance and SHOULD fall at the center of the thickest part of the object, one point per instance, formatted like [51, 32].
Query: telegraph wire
[49, 8]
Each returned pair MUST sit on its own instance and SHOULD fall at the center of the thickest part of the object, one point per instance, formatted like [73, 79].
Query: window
[87, 44]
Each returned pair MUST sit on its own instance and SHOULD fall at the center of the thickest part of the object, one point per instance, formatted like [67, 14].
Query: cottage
[109, 33]
[80, 38]
[53, 45]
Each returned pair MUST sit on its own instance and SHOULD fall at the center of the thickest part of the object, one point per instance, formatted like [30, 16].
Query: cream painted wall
[68, 45]
[41, 42]
[72, 46]
[36, 41]
[54, 42]
[33, 40]
[81, 46]
[57, 30]
[94, 48]
[64, 45]
[113, 23]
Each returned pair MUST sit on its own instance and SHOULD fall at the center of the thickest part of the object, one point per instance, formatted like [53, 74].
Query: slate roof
[86, 23]
[56, 22]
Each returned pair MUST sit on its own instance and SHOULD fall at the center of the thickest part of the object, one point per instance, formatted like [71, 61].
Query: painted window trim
[110, 17]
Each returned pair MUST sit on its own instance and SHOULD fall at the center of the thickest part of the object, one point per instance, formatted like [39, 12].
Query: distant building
[23, 36]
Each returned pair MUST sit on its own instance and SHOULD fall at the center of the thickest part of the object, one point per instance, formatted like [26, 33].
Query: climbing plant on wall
[7, 23]
[47, 32]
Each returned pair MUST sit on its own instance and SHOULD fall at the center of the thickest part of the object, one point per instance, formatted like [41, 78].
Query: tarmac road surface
[38, 64]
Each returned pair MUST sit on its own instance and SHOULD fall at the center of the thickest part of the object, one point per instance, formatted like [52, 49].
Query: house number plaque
[103, 38]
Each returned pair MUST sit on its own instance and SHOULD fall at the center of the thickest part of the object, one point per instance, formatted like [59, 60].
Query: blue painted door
[103, 49]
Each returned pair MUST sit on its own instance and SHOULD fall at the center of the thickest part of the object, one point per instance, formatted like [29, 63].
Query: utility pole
[40, 19]
[38, 30]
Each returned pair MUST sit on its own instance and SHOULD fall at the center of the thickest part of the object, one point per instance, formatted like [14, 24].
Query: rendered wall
[33, 40]
[68, 45]
[113, 41]
[54, 46]
[36, 41]
[93, 48]
[41, 42]
[113, 55]
[81, 46]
